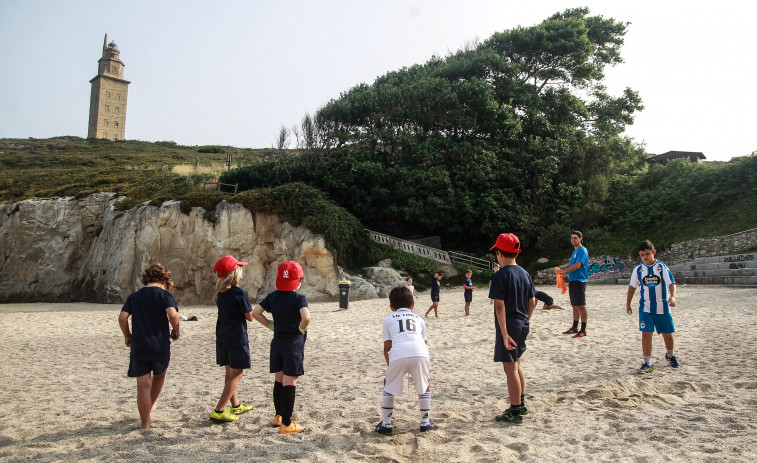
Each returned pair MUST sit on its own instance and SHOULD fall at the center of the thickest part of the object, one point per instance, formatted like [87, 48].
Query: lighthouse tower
[107, 103]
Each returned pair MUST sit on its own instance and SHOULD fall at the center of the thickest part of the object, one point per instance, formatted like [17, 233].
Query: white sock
[648, 360]
[387, 407]
[424, 402]
[670, 353]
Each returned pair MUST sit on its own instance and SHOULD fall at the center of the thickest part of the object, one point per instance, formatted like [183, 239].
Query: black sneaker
[382, 428]
[428, 427]
[510, 418]
[523, 410]
[672, 361]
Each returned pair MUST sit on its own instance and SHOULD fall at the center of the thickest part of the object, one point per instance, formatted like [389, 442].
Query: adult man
[579, 274]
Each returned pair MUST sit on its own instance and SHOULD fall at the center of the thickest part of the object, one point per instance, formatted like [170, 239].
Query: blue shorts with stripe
[663, 322]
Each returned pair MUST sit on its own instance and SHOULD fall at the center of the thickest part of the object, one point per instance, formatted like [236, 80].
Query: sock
[583, 327]
[424, 403]
[515, 409]
[648, 360]
[287, 404]
[277, 387]
[575, 325]
[387, 408]
[670, 353]
[523, 400]
[218, 411]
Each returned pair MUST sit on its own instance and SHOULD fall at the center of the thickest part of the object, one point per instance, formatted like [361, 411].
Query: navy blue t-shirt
[285, 307]
[513, 285]
[231, 327]
[544, 297]
[150, 334]
[436, 287]
[468, 282]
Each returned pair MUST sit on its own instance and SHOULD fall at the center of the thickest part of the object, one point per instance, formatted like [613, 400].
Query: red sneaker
[572, 330]
[580, 334]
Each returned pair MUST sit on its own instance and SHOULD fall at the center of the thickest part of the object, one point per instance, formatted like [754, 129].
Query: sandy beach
[65, 395]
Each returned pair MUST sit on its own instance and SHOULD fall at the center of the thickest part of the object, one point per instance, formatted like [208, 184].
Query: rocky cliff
[84, 250]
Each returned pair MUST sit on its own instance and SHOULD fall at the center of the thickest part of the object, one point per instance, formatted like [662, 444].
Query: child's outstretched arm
[123, 321]
[257, 314]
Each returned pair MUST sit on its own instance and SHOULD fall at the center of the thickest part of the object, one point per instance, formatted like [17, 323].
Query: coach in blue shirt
[579, 275]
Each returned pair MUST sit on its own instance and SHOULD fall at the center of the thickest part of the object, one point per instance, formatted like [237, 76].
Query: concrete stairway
[736, 270]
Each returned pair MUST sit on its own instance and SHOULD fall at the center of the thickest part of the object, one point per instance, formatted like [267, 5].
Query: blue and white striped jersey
[652, 282]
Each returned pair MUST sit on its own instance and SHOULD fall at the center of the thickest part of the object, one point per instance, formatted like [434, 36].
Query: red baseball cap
[289, 276]
[226, 265]
[507, 242]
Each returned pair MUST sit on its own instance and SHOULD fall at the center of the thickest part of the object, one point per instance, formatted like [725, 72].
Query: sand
[65, 395]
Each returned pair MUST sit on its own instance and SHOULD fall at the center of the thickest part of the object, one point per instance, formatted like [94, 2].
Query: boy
[653, 277]
[290, 310]
[436, 289]
[468, 290]
[409, 281]
[152, 308]
[549, 302]
[495, 269]
[514, 302]
[405, 351]
[578, 273]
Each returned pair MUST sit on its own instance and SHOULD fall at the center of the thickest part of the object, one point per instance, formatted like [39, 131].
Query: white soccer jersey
[652, 282]
[407, 332]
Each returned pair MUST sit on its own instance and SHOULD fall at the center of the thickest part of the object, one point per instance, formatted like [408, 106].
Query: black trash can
[344, 294]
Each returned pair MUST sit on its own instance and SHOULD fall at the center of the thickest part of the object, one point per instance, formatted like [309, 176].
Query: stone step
[715, 273]
[714, 266]
[735, 281]
[727, 259]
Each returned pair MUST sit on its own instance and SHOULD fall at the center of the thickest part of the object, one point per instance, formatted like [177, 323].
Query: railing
[460, 258]
[410, 247]
[217, 186]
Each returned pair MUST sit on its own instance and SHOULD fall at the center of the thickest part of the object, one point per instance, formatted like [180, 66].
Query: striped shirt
[652, 282]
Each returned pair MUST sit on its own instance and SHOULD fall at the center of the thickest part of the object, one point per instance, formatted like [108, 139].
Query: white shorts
[417, 367]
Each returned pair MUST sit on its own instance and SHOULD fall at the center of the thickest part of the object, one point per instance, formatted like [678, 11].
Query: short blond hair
[230, 279]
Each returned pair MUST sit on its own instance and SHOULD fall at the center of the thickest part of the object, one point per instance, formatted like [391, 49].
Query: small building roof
[693, 156]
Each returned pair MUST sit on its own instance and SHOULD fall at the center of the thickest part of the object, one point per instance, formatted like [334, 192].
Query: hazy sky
[232, 72]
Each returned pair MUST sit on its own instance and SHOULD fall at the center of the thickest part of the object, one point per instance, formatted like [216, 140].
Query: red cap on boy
[507, 242]
[289, 276]
[226, 265]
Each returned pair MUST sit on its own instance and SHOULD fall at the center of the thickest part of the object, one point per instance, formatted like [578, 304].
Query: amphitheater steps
[731, 270]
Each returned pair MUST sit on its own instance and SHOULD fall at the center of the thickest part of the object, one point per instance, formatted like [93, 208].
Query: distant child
[514, 302]
[654, 280]
[468, 290]
[495, 269]
[405, 351]
[232, 343]
[152, 308]
[549, 303]
[409, 281]
[290, 310]
[436, 289]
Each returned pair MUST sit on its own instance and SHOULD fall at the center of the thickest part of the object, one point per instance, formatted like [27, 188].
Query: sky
[229, 72]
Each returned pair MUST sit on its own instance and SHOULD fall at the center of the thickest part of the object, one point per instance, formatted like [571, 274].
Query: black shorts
[434, 298]
[519, 333]
[139, 368]
[288, 356]
[577, 292]
[468, 297]
[235, 357]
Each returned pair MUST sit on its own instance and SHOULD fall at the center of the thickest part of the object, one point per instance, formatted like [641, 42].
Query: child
[514, 302]
[405, 351]
[409, 281]
[495, 269]
[549, 303]
[232, 343]
[290, 310]
[653, 277]
[436, 288]
[468, 293]
[152, 308]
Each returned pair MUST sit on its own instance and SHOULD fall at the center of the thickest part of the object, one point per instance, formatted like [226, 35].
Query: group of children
[405, 336]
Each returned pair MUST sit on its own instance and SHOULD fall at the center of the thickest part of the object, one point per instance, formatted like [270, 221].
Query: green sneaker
[510, 418]
[241, 408]
[523, 410]
[226, 415]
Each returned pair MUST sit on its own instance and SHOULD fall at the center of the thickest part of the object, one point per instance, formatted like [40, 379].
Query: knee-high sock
[287, 404]
[277, 388]
[387, 408]
[424, 402]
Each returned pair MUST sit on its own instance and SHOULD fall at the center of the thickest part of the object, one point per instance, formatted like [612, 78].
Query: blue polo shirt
[285, 307]
[582, 273]
[231, 326]
[150, 330]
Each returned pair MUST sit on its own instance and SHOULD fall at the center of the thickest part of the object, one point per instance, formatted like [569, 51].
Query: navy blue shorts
[139, 368]
[235, 357]
[434, 298]
[519, 333]
[577, 292]
[469, 297]
[288, 356]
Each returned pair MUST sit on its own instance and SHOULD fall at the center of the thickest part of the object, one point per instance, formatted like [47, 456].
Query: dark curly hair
[157, 273]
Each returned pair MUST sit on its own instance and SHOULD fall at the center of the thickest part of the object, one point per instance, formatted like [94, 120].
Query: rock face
[83, 250]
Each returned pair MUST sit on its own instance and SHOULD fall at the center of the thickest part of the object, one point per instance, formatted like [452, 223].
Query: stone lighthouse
[107, 103]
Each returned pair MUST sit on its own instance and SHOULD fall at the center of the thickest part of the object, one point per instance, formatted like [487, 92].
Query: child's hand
[127, 341]
[510, 343]
[175, 334]
[270, 325]
[629, 309]
[672, 301]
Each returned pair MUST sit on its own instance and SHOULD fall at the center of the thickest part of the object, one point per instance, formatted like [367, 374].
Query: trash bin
[344, 294]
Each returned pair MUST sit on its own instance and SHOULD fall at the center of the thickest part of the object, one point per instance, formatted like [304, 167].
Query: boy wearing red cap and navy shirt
[232, 343]
[290, 310]
[514, 302]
